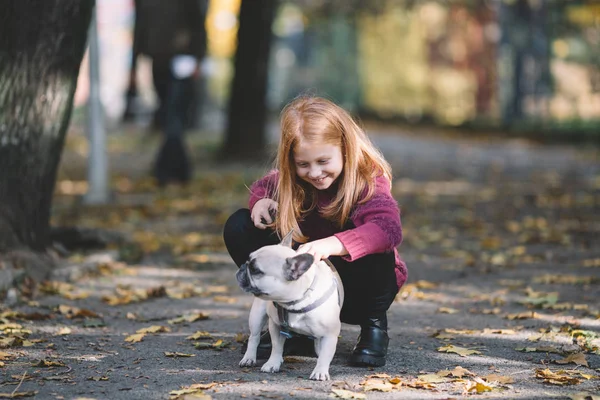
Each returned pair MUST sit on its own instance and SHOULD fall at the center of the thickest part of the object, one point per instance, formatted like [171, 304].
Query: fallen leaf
[556, 378]
[447, 310]
[199, 335]
[346, 394]
[225, 299]
[584, 396]
[523, 315]
[457, 372]
[17, 394]
[540, 349]
[169, 354]
[578, 358]
[135, 338]
[74, 312]
[433, 378]
[188, 318]
[154, 329]
[64, 331]
[49, 363]
[500, 331]
[461, 351]
[478, 385]
[194, 392]
[97, 378]
[499, 378]
[377, 384]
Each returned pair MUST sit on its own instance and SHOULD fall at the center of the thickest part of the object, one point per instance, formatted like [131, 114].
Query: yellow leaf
[135, 338]
[182, 394]
[433, 378]
[188, 318]
[199, 335]
[378, 385]
[64, 331]
[457, 372]
[49, 363]
[556, 378]
[478, 386]
[461, 351]
[523, 315]
[499, 331]
[499, 378]
[346, 394]
[225, 299]
[154, 329]
[447, 310]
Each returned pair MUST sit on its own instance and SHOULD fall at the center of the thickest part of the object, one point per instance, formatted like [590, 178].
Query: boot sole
[366, 361]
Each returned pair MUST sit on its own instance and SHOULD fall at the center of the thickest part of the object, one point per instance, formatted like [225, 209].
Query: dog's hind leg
[256, 322]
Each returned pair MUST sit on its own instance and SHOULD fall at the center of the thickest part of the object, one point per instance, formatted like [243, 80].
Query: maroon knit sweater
[377, 221]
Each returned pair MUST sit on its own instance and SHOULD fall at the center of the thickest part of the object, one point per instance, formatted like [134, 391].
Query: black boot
[297, 345]
[371, 349]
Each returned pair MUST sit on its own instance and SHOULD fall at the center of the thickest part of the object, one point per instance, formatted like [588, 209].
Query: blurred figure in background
[173, 35]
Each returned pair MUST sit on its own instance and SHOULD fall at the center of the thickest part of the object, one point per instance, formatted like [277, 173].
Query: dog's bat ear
[287, 240]
[296, 266]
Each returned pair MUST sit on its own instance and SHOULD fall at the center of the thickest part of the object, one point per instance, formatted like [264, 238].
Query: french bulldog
[295, 294]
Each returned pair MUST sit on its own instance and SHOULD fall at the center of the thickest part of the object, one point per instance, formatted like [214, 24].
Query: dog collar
[304, 296]
[283, 312]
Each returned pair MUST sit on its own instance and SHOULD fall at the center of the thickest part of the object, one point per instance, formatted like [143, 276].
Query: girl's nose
[314, 172]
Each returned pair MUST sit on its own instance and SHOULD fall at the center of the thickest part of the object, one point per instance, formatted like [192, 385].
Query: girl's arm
[264, 188]
[378, 227]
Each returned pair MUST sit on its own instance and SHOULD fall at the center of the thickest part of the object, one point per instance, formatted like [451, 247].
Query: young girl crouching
[332, 187]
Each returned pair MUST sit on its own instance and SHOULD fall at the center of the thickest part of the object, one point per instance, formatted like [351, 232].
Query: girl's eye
[323, 161]
[301, 165]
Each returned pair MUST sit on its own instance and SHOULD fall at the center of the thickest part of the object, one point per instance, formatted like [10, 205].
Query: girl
[331, 186]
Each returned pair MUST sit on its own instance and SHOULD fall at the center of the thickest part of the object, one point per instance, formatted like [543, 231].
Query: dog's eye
[254, 269]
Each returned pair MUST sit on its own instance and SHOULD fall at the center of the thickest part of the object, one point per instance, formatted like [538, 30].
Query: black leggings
[369, 283]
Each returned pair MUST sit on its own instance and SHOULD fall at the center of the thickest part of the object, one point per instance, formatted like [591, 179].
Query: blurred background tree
[245, 133]
[41, 48]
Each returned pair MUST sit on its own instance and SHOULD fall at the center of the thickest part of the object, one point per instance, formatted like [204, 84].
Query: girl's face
[318, 163]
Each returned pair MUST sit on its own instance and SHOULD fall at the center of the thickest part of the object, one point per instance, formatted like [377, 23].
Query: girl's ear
[287, 240]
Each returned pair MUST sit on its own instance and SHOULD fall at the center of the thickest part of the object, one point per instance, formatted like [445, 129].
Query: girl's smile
[318, 164]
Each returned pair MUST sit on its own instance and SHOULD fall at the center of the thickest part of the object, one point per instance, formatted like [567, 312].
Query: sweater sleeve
[378, 227]
[263, 188]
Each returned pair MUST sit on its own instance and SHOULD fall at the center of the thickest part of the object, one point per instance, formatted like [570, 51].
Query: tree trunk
[246, 137]
[42, 44]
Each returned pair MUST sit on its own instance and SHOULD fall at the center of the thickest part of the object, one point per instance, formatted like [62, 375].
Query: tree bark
[42, 44]
[246, 136]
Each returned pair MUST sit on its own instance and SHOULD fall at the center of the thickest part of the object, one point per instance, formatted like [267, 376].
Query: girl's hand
[263, 213]
[323, 248]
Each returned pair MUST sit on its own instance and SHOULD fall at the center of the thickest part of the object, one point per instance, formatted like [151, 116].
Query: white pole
[97, 162]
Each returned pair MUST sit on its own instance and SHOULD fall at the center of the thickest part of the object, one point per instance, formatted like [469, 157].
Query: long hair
[315, 119]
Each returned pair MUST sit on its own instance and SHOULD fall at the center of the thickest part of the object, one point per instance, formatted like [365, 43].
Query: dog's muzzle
[245, 281]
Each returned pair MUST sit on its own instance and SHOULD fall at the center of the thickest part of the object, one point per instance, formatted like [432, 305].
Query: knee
[236, 225]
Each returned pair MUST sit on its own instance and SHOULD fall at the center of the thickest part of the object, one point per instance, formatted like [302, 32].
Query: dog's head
[273, 272]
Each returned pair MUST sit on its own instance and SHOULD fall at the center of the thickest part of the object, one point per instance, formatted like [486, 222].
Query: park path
[501, 240]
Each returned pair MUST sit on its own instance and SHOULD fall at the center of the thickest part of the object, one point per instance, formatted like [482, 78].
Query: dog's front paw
[248, 362]
[320, 375]
[271, 366]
